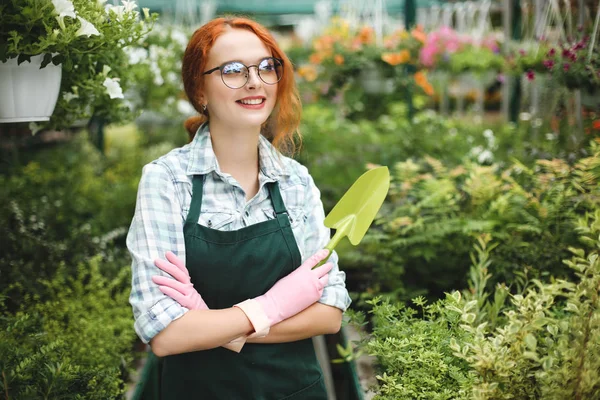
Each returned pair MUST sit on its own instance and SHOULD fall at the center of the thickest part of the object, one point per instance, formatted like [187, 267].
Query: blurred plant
[156, 61]
[576, 65]
[446, 49]
[350, 67]
[433, 210]
[544, 343]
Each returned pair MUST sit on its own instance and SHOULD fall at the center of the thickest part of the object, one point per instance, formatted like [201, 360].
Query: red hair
[282, 125]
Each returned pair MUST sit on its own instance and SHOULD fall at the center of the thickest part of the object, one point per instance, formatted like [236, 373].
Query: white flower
[105, 70]
[524, 116]
[129, 5]
[64, 8]
[488, 133]
[475, 151]
[35, 127]
[70, 96]
[136, 54]
[172, 77]
[179, 37]
[550, 136]
[118, 10]
[158, 78]
[113, 88]
[184, 107]
[491, 139]
[485, 156]
[87, 28]
[146, 12]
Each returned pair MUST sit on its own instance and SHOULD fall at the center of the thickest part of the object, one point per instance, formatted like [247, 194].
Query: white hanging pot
[28, 93]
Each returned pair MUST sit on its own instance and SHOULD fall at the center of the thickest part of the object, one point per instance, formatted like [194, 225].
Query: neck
[236, 149]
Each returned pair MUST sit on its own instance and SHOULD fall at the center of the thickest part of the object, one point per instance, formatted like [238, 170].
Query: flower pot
[28, 93]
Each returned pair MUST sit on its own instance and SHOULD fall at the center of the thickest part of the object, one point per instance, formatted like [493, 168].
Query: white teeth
[253, 101]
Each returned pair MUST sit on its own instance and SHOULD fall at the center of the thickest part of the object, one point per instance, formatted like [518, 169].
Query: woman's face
[250, 105]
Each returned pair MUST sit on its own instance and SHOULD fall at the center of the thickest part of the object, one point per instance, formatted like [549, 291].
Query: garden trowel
[353, 214]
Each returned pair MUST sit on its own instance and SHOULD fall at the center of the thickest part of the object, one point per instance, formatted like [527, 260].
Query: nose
[253, 78]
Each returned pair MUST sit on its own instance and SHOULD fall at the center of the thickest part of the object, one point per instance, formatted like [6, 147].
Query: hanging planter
[28, 93]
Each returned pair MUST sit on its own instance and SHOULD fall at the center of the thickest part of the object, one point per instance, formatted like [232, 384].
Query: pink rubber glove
[290, 295]
[182, 290]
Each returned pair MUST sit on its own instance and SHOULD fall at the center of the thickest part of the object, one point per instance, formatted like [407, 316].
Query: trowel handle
[330, 246]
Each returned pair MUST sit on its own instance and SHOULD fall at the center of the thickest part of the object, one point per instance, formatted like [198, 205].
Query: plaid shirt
[163, 200]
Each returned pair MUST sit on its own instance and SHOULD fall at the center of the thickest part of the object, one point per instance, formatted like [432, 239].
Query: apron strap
[284, 222]
[276, 199]
[196, 204]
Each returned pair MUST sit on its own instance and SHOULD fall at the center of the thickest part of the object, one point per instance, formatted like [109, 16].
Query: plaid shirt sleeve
[317, 236]
[157, 227]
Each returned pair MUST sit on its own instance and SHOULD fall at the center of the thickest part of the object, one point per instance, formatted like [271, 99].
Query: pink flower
[549, 64]
[530, 75]
[428, 55]
[452, 47]
[566, 67]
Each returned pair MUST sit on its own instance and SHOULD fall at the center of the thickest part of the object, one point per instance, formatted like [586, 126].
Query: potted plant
[85, 40]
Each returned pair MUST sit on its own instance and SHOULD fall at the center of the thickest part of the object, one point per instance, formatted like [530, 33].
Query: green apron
[227, 268]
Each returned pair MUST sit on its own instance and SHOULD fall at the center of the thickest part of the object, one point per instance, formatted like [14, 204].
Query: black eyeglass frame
[220, 68]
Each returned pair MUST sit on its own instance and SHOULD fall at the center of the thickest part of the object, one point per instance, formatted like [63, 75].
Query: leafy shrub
[542, 344]
[66, 327]
[433, 211]
[76, 345]
[58, 210]
[337, 150]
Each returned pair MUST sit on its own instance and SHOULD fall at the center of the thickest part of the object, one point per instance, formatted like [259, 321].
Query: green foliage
[337, 151]
[157, 71]
[66, 329]
[542, 344]
[433, 211]
[57, 210]
[77, 345]
[476, 59]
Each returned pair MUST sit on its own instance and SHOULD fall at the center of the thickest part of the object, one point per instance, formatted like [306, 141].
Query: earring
[203, 107]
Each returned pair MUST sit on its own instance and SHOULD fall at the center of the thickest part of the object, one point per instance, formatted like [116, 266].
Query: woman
[234, 320]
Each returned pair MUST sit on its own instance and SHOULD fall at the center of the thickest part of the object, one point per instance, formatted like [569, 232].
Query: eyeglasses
[235, 75]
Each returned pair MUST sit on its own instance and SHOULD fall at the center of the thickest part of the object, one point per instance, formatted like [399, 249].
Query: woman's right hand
[181, 288]
[290, 295]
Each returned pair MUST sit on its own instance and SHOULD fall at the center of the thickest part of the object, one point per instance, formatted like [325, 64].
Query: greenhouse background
[479, 277]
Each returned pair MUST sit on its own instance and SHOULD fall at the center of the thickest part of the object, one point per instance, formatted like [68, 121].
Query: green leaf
[3, 52]
[57, 59]
[47, 60]
[22, 58]
[531, 342]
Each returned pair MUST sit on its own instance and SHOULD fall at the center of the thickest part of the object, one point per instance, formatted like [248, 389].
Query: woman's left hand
[180, 288]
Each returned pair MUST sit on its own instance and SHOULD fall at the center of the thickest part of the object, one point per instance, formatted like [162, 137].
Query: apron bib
[227, 268]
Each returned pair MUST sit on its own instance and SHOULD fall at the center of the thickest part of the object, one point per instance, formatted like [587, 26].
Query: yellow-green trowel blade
[355, 212]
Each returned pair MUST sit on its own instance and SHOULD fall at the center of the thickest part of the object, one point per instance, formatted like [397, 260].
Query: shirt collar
[203, 159]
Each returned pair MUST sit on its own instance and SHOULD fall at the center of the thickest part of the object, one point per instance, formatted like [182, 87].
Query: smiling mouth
[251, 102]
